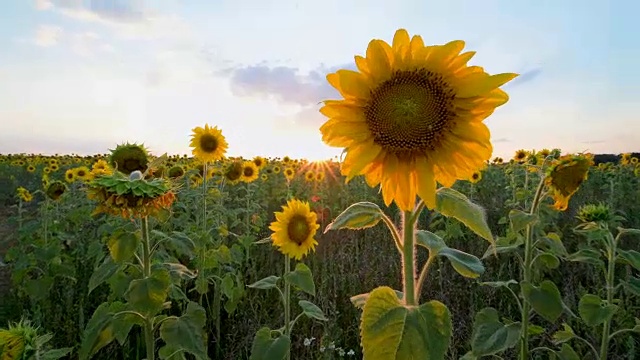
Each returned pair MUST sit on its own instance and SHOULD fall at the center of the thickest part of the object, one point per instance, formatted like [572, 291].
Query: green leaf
[302, 278]
[519, 220]
[490, 336]
[633, 286]
[390, 330]
[553, 243]
[97, 333]
[185, 333]
[497, 284]
[266, 347]
[267, 283]
[547, 260]
[594, 311]
[122, 323]
[535, 330]
[563, 335]
[358, 216]
[359, 300]
[453, 204]
[55, 354]
[464, 264]
[567, 353]
[102, 273]
[630, 257]
[545, 299]
[122, 245]
[38, 289]
[311, 310]
[148, 295]
[588, 256]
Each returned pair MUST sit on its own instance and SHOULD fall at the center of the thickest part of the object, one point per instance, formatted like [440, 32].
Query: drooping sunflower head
[208, 143]
[233, 172]
[565, 176]
[294, 229]
[176, 171]
[289, 173]
[127, 158]
[250, 172]
[411, 117]
[55, 189]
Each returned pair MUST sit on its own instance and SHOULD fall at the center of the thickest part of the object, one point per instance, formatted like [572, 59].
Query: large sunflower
[294, 229]
[412, 116]
[208, 143]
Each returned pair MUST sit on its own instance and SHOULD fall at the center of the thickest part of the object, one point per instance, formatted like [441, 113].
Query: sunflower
[544, 153]
[565, 176]
[127, 158]
[259, 161]
[319, 176]
[264, 177]
[412, 116]
[276, 169]
[520, 155]
[176, 172]
[294, 229]
[208, 143]
[55, 189]
[286, 160]
[31, 168]
[625, 158]
[309, 175]
[24, 194]
[289, 173]
[82, 173]
[634, 160]
[233, 172]
[70, 176]
[46, 170]
[476, 177]
[101, 167]
[250, 172]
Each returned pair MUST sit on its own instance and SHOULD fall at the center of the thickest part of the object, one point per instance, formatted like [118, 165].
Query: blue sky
[85, 75]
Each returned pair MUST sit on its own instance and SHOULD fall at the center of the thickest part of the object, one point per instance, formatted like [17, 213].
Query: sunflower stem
[204, 196]
[287, 307]
[610, 282]
[149, 340]
[408, 258]
[527, 273]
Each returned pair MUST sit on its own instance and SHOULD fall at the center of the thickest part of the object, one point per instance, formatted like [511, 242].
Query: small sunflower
[264, 177]
[309, 176]
[294, 229]
[544, 153]
[55, 189]
[31, 168]
[127, 158]
[520, 155]
[289, 173]
[634, 160]
[70, 176]
[46, 170]
[208, 143]
[101, 167]
[233, 172]
[595, 213]
[24, 194]
[176, 171]
[625, 158]
[319, 176]
[565, 176]
[476, 177]
[259, 161]
[250, 172]
[411, 117]
[82, 173]
[276, 169]
[54, 167]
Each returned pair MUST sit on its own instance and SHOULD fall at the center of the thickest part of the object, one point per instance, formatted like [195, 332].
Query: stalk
[408, 256]
[611, 266]
[287, 296]
[149, 340]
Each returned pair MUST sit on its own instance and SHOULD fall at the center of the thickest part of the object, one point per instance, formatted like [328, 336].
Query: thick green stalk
[611, 266]
[408, 258]
[149, 339]
[287, 306]
[204, 197]
[527, 275]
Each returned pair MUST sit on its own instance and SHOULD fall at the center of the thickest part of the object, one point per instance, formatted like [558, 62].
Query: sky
[82, 76]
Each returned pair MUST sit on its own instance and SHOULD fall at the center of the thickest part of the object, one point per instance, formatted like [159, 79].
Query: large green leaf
[185, 333]
[452, 203]
[102, 273]
[519, 220]
[490, 336]
[633, 286]
[563, 335]
[267, 347]
[312, 310]
[464, 264]
[122, 245]
[38, 289]
[302, 278]
[588, 256]
[148, 295]
[567, 353]
[269, 282]
[594, 311]
[548, 260]
[360, 299]
[630, 257]
[358, 216]
[390, 330]
[98, 333]
[544, 299]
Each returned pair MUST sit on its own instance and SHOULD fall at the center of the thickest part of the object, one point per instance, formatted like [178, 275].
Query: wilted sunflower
[233, 172]
[208, 143]
[289, 173]
[477, 176]
[176, 172]
[127, 158]
[309, 176]
[55, 189]
[70, 176]
[294, 229]
[412, 116]
[565, 176]
[250, 172]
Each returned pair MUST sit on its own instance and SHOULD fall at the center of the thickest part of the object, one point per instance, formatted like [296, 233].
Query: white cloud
[43, 5]
[47, 35]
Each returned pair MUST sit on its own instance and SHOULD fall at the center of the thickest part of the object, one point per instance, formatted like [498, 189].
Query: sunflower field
[416, 245]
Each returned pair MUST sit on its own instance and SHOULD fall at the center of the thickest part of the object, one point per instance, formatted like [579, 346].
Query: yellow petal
[353, 84]
[344, 110]
[426, 182]
[401, 48]
[378, 60]
[358, 156]
[444, 54]
[478, 84]
[460, 61]
[388, 183]
[361, 64]
[341, 132]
